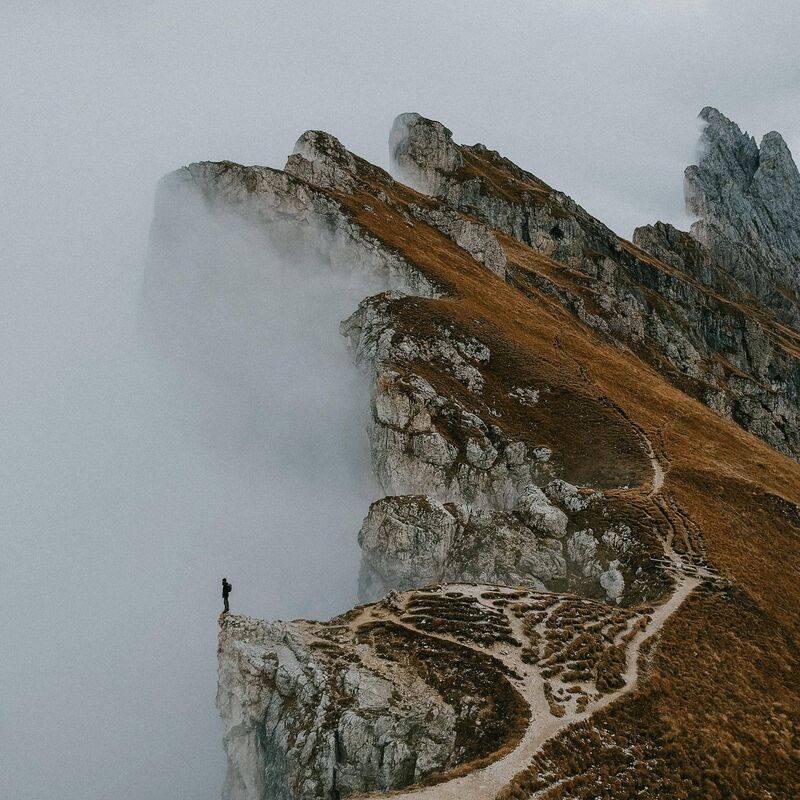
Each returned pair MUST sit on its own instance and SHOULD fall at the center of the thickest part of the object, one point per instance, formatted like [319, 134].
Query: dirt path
[486, 783]
[657, 482]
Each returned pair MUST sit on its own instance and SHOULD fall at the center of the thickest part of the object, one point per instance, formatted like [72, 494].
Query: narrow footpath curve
[486, 783]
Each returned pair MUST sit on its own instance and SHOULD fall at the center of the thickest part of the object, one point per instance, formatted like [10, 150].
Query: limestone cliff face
[313, 711]
[415, 541]
[305, 716]
[748, 201]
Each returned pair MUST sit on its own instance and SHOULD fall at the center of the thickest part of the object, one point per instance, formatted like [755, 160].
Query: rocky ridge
[747, 198]
[689, 314]
[513, 453]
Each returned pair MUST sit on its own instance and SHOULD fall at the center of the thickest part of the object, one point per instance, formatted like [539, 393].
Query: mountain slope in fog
[587, 546]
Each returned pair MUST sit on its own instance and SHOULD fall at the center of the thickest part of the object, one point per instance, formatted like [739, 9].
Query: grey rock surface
[322, 160]
[414, 540]
[475, 237]
[300, 722]
[424, 149]
[613, 582]
[747, 197]
[536, 510]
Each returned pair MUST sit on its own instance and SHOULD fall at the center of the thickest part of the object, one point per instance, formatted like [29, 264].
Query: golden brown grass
[717, 713]
[722, 699]
[457, 672]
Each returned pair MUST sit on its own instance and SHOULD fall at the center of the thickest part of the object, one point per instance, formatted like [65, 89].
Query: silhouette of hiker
[226, 590]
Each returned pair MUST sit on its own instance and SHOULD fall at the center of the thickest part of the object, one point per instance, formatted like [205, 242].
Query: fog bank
[225, 436]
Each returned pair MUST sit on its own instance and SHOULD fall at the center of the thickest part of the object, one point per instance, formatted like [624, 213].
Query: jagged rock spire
[748, 200]
[423, 151]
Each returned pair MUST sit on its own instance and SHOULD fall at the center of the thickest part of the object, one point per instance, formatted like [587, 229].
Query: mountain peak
[747, 199]
[416, 140]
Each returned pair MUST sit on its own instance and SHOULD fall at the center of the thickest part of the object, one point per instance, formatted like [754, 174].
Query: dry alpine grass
[717, 712]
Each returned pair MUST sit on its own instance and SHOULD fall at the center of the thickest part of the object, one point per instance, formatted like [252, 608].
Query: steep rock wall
[748, 200]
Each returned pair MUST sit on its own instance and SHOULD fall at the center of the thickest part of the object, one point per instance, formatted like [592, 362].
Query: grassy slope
[723, 688]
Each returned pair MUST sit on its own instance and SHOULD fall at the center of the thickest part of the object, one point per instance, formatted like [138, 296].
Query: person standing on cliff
[226, 590]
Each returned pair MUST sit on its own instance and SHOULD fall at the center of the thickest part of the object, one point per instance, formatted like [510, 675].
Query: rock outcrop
[313, 711]
[421, 440]
[294, 215]
[748, 200]
[415, 540]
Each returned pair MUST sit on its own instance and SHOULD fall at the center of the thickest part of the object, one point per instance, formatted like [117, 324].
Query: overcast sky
[105, 494]
[598, 98]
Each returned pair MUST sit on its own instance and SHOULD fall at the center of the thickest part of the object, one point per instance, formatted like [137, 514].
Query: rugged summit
[748, 201]
[582, 578]
[697, 324]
